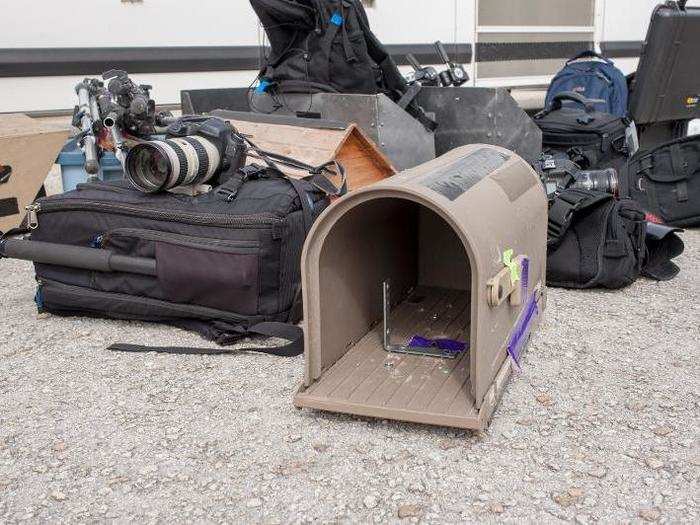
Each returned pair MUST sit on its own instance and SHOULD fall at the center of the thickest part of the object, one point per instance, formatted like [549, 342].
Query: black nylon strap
[418, 113]
[409, 96]
[9, 207]
[292, 333]
[680, 169]
[565, 206]
[306, 204]
[327, 44]
[316, 172]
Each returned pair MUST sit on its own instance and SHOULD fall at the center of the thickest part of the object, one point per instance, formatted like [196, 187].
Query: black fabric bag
[594, 240]
[665, 181]
[327, 46]
[227, 262]
[591, 139]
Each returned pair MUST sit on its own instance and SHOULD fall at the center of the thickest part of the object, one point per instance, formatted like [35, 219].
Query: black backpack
[595, 240]
[327, 46]
[224, 264]
[665, 181]
[591, 139]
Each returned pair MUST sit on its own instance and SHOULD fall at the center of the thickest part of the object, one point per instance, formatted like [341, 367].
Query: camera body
[194, 151]
[559, 173]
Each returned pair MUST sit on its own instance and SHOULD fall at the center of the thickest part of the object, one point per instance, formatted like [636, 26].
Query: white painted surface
[694, 127]
[629, 20]
[112, 23]
[536, 29]
[49, 93]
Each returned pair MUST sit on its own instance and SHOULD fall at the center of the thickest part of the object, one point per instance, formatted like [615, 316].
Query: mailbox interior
[423, 258]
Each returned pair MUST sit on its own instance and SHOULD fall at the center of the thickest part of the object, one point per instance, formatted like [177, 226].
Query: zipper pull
[33, 216]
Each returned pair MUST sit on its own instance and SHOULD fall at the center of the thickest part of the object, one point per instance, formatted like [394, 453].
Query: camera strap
[293, 334]
[318, 175]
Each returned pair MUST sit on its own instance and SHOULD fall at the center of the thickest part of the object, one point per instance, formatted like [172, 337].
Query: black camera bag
[594, 240]
[665, 181]
[228, 261]
[591, 139]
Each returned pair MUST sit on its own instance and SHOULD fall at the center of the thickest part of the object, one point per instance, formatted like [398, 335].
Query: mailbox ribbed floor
[369, 381]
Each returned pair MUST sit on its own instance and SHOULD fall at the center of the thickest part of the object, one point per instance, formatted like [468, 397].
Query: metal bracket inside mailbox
[405, 349]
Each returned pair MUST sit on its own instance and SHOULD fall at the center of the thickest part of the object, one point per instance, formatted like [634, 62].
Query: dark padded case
[223, 264]
[666, 85]
[665, 181]
[592, 139]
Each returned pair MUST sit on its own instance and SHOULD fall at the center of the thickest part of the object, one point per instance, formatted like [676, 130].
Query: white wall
[112, 23]
[626, 20]
[422, 21]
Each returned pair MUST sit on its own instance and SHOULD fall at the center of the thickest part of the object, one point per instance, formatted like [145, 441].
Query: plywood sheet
[364, 163]
[28, 147]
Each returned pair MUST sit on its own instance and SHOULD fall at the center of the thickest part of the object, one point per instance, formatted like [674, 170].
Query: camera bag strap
[565, 207]
[293, 334]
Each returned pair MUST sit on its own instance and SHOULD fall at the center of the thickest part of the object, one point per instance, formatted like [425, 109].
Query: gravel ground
[601, 426]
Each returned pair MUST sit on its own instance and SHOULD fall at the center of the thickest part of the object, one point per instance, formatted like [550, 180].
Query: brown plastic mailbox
[452, 251]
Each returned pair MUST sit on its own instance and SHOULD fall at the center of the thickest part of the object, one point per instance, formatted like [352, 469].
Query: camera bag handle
[589, 53]
[557, 103]
[558, 99]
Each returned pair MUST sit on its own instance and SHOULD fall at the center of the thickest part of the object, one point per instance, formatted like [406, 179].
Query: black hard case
[667, 83]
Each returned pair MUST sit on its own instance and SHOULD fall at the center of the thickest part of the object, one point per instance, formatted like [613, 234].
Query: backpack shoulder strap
[565, 207]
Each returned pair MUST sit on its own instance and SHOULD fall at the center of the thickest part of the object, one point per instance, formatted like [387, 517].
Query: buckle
[252, 172]
[226, 193]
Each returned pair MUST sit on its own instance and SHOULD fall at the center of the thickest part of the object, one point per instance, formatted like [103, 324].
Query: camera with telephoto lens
[194, 151]
[559, 173]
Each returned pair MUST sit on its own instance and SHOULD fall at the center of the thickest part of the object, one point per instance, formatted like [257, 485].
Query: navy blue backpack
[597, 80]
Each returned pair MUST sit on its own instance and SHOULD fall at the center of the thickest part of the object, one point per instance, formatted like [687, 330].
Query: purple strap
[525, 274]
[522, 330]
[448, 345]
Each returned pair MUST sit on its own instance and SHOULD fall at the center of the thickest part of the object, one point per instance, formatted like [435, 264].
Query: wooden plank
[363, 162]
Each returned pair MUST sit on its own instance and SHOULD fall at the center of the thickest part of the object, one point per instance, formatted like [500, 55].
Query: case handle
[558, 99]
[589, 53]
